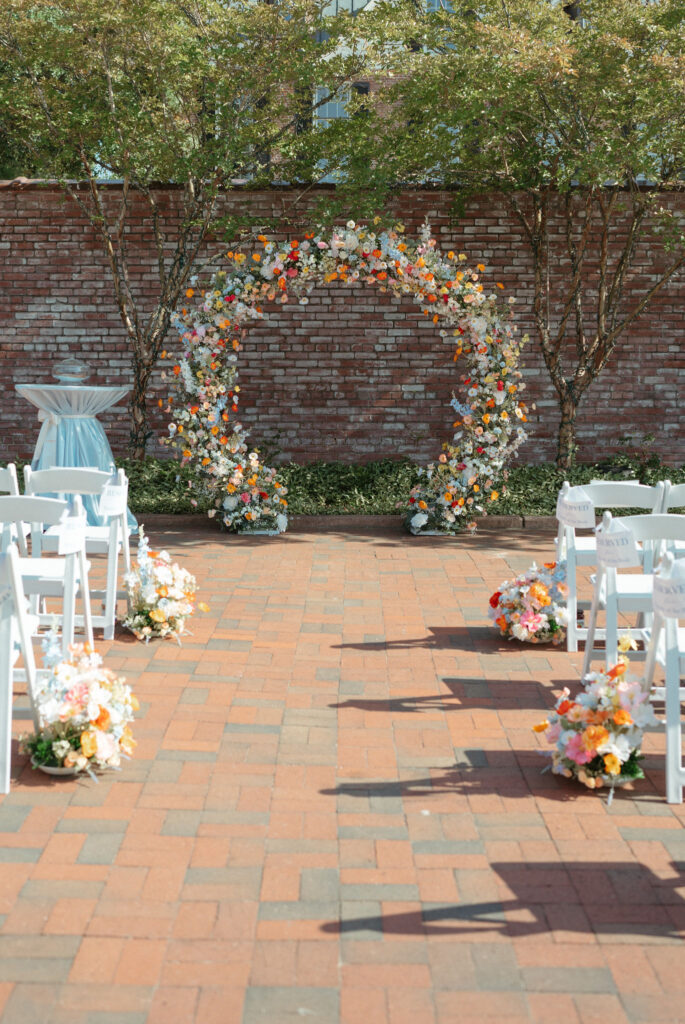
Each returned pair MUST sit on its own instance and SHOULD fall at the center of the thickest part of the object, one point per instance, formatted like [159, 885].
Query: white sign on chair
[669, 588]
[574, 508]
[616, 547]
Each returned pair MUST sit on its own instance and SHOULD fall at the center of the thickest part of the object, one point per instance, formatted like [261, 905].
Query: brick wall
[352, 376]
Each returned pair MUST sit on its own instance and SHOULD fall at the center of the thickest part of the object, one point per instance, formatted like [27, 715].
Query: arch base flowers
[246, 495]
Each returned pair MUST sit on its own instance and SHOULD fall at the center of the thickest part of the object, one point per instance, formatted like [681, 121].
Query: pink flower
[245, 497]
[531, 621]
[553, 732]
[576, 751]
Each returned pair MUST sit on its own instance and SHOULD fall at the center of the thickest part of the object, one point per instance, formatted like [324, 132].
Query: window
[338, 6]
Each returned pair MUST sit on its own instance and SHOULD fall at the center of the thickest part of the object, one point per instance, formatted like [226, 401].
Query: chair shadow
[480, 638]
[586, 898]
[498, 694]
[509, 773]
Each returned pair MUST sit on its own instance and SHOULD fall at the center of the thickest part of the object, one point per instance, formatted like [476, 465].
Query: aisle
[336, 814]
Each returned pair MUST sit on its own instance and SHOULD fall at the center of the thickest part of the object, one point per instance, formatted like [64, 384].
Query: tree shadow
[617, 899]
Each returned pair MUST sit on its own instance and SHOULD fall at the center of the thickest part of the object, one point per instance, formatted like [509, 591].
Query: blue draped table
[71, 435]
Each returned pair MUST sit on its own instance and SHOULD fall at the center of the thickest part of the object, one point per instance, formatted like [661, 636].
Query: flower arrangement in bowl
[532, 607]
[597, 736]
[84, 711]
[160, 594]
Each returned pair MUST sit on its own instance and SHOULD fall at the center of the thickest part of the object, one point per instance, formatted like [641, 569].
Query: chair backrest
[625, 494]
[8, 479]
[656, 532]
[67, 481]
[40, 512]
[674, 495]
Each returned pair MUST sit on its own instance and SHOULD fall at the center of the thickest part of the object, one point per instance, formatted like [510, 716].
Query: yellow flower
[626, 643]
[612, 764]
[203, 607]
[494, 495]
[157, 615]
[88, 743]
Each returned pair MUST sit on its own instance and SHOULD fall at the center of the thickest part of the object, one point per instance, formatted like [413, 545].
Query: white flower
[418, 520]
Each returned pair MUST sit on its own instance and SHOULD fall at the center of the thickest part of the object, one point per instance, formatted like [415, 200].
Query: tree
[193, 93]
[575, 113]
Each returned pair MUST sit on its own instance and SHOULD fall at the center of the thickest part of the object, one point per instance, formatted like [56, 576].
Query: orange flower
[502, 623]
[422, 504]
[494, 495]
[203, 607]
[189, 293]
[622, 717]
[594, 736]
[177, 370]
[486, 418]
[539, 593]
[157, 615]
[612, 764]
[541, 726]
[88, 743]
[480, 266]
[499, 285]
[103, 720]
[215, 430]
[616, 670]
[163, 591]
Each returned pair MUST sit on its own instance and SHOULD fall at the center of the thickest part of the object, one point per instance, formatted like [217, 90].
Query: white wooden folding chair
[10, 485]
[15, 639]
[109, 540]
[580, 549]
[628, 593]
[667, 647]
[62, 577]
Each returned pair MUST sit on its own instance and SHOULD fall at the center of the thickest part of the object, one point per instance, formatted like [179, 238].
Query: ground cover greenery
[376, 488]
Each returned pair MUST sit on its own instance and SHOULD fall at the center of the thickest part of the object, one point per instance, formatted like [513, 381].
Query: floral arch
[205, 430]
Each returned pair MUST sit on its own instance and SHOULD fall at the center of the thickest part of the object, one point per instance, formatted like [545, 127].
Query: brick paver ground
[336, 814]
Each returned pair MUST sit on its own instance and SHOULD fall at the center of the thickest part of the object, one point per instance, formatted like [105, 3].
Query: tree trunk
[566, 449]
[140, 429]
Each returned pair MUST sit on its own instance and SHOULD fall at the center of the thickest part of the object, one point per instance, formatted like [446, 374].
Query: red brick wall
[352, 376]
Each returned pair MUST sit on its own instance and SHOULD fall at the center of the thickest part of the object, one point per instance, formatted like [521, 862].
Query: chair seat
[45, 575]
[97, 540]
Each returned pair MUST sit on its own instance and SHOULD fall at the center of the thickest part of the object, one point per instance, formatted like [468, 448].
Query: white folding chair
[100, 540]
[61, 577]
[580, 549]
[627, 592]
[667, 647]
[15, 639]
[10, 485]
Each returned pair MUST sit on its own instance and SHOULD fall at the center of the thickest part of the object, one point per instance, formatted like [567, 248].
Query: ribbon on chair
[48, 432]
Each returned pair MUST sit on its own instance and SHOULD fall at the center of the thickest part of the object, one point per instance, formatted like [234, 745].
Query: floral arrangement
[532, 607]
[160, 594]
[84, 711]
[598, 735]
[204, 428]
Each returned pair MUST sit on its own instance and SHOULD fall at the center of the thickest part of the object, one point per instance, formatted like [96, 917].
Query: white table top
[71, 399]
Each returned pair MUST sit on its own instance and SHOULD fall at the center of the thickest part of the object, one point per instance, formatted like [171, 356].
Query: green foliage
[377, 488]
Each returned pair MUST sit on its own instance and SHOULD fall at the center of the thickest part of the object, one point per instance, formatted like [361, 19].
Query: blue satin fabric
[81, 441]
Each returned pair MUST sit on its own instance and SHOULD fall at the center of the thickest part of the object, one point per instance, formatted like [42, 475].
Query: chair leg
[571, 603]
[592, 624]
[111, 585]
[652, 650]
[611, 641]
[69, 606]
[85, 597]
[674, 751]
[5, 698]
